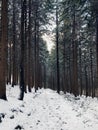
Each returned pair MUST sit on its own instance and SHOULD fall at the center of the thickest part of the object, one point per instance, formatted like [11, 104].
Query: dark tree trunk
[29, 50]
[80, 66]
[97, 43]
[45, 76]
[22, 51]
[14, 47]
[86, 81]
[64, 73]
[25, 47]
[57, 50]
[3, 47]
[74, 43]
[35, 46]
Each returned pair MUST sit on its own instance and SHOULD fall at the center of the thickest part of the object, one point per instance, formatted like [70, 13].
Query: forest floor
[47, 110]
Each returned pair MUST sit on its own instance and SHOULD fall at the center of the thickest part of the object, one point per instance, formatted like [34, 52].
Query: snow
[47, 110]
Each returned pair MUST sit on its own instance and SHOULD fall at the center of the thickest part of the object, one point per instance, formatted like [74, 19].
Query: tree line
[72, 65]
[78, 48]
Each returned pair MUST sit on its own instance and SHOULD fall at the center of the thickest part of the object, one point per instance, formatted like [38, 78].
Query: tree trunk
[29, 50]
[74, 43]
[22, 52]
[35, 47]
[57, 49]
[97, 44]
[14, 47]
[3, 47]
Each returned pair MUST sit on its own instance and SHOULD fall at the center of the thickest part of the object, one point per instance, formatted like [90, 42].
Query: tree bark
[3, 47]
[74, 44]
[57, 49]
[22, 87]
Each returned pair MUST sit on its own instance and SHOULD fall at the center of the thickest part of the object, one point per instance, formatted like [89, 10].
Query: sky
[49, 41]
[49, 37]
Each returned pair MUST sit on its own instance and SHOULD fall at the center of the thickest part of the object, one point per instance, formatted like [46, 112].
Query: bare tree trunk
[57, 49]
[36, 47]
[14, 47]
[97, 44]
[3, 47]
[80, 66]
[22, 52]
[64, 77]
[86, 81]
[25, 47]
[9, 52]
[29, 50]
[74, 43]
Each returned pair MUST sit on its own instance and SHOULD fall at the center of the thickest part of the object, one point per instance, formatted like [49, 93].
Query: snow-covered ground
[46, 110]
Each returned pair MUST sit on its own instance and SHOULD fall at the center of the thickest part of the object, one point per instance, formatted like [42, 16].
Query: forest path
[47, 110]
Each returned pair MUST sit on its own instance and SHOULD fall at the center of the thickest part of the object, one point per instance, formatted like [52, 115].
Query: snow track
[46, 110]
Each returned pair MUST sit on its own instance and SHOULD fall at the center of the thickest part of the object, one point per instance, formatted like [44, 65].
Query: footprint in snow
[64, 122]
[29, 114]
[43, 107]
[2, 115]
[57, 107]
[38, 121]
[12, 117]
[18, 127]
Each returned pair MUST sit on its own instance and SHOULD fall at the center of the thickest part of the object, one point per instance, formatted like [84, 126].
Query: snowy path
[46, 110]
